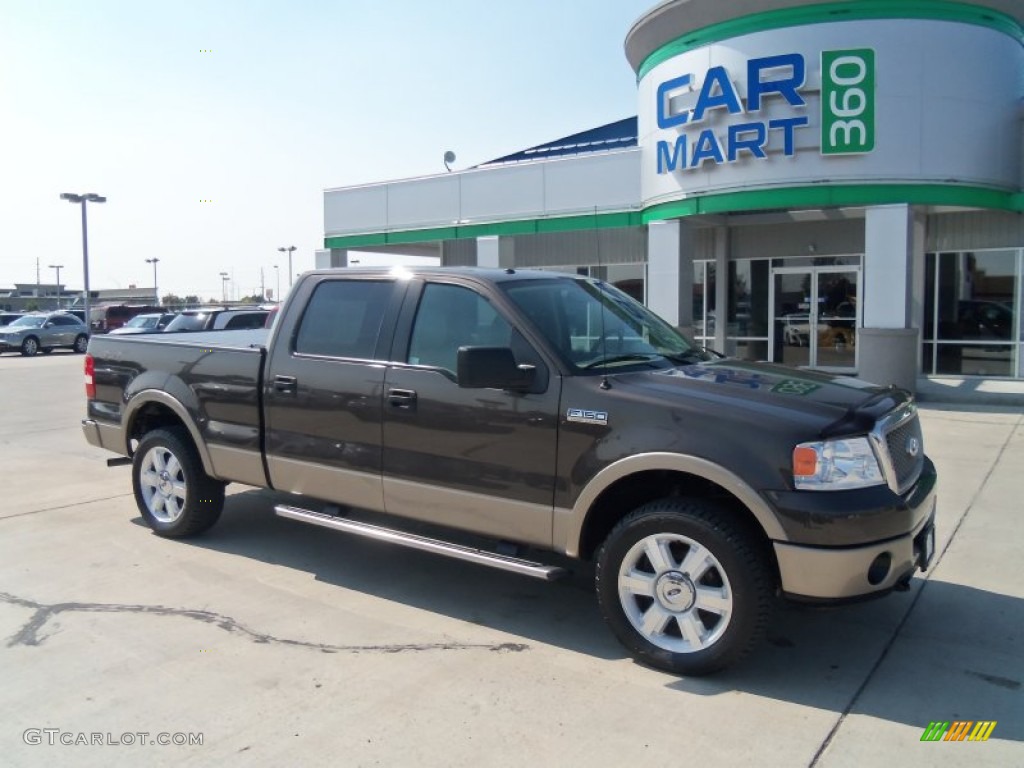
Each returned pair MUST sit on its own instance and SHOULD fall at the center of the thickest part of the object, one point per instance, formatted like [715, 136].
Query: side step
[457, 551]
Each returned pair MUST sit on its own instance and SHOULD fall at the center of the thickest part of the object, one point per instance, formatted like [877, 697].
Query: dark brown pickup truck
[542, 412]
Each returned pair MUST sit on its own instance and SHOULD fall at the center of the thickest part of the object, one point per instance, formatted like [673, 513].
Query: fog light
[879, 569]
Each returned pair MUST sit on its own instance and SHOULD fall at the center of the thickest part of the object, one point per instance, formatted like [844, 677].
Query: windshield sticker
[795, 387]
[582, 416]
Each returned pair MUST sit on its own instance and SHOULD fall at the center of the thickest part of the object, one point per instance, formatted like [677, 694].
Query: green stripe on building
[862, 10]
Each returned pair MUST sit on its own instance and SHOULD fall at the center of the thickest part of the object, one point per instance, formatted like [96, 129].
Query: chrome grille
[901, 445]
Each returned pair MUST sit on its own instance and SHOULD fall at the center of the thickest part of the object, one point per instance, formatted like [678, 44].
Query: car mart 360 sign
[847, 118]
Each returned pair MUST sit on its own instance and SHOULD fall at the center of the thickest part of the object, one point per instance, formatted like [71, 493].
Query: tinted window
[450, 317]
[58, 320]
[244, 320]
[343, 318]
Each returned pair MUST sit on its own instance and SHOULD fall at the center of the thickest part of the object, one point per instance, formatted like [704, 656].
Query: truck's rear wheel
[684, 587]
[173, 493]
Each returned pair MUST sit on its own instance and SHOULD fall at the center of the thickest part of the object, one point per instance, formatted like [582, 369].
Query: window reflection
[972, 313]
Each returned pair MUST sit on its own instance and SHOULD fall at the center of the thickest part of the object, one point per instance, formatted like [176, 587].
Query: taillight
[90, 384]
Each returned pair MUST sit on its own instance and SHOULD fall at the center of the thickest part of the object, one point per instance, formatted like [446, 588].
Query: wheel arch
[154, 409]
[628, 483]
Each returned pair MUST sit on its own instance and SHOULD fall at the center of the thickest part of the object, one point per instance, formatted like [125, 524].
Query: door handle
[402, 398]
[286, 384]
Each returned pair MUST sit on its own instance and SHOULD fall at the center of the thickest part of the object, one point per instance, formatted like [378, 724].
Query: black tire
[700, 635]
[30, 346]
[46, 350]
[181, 500]
[81, 343]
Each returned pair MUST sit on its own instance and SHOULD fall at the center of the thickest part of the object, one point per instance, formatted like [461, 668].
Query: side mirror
[48, 324]
[492, 368]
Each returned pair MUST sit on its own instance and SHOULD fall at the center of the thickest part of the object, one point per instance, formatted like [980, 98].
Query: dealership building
[834, 185]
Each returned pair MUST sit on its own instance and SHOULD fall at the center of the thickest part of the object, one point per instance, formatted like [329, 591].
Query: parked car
[6, 318]
[107, 317]
[149, 323]
[43, 333]
[985, 320]
[219, 319]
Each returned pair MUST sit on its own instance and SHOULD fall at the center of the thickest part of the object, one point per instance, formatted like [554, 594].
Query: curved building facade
[831, 185]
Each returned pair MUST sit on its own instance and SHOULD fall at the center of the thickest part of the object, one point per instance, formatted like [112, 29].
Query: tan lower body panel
[318, 481]
[237, 465]
[518, 521]
[104, 436]
[819, 572]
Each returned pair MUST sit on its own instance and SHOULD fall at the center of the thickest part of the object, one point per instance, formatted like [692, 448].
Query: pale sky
[122, 99]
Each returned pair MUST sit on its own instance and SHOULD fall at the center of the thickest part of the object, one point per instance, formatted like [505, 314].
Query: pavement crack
[29, 634]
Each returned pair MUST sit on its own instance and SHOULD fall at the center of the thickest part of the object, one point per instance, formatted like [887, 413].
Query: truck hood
[832, 403]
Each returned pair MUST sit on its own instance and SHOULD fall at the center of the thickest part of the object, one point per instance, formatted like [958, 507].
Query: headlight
[836, 465]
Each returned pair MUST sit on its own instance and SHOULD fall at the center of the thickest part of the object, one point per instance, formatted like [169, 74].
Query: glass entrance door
[815, 317]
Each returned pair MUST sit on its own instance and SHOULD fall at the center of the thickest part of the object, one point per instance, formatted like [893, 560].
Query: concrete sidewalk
[959, 653]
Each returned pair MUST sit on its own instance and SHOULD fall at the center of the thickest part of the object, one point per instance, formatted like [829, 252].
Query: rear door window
[343, 318]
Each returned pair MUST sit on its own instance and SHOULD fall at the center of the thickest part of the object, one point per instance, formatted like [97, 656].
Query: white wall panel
[603, 181]
[429, 202]
[503, 192]
[358, 209]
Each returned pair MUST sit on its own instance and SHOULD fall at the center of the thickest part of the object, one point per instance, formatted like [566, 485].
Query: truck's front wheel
[173, 493]
[684, 586]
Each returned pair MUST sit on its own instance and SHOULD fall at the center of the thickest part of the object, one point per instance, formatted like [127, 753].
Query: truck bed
[217, 376]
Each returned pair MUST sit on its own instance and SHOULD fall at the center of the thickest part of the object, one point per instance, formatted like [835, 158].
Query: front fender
[569, 523]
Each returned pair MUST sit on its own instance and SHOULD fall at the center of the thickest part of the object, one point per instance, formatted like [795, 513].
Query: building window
[972, 313]
[704, 302]
[747, 322]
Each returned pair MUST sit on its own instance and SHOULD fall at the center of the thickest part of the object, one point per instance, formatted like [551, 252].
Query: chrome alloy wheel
[675, 593]
[162, 482]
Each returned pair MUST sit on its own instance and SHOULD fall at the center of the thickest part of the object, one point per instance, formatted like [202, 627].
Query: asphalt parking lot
[284, 644]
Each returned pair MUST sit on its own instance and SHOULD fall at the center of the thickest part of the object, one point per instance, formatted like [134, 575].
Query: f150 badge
[587, 417]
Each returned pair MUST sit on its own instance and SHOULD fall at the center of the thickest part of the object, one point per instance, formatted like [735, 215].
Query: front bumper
[822, 573]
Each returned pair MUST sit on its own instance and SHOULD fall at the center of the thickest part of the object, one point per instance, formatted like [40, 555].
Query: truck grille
[902, 444]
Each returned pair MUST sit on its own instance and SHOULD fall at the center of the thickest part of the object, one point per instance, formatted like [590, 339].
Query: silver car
[44, 333]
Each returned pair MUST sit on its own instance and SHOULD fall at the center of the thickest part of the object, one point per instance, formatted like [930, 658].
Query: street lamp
[224, 285]
[156, 293]
[289, 251]
[88, 197]
[277, 273]
[58, 267]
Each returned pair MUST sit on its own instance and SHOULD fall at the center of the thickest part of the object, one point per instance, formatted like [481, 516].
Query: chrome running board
[413, 541]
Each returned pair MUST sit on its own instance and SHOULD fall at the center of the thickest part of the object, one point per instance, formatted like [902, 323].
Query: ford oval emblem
[913, 447]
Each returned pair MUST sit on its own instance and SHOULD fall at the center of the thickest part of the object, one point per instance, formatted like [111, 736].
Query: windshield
[28, 322]
[595, 325]
[143, 321]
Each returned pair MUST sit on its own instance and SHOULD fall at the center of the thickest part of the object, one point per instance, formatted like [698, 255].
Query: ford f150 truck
[542, 412]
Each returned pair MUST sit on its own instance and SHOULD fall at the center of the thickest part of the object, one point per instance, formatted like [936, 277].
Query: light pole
[224, 286]
[277, 273]
[156, 293]
[58, 267]
[289, 251]
[88, 197]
